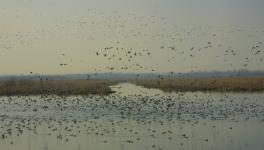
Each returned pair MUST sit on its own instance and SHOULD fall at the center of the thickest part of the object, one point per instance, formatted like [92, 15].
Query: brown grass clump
[220, 84]
[55, 87]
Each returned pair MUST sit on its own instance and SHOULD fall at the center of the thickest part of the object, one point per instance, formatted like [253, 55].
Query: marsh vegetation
[220, 84]
[55, 87]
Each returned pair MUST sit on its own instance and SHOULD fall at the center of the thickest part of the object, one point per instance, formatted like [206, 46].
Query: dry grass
[225, 84]
[58, 87]
[101, 87]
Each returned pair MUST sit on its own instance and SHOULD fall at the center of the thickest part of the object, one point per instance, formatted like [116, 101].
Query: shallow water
[133, 118]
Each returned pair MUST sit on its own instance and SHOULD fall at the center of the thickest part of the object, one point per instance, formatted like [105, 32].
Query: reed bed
[220, 84]
[55, 87]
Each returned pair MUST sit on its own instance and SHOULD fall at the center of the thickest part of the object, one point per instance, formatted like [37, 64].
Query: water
[133, 118]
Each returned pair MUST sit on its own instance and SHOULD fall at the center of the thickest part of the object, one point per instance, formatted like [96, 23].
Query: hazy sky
[41, 36]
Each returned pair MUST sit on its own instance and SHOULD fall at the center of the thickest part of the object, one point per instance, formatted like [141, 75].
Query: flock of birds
[129, 42]
[133, 43]
[131, 118]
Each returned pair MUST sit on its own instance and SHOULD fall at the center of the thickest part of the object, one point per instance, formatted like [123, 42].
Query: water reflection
[133, 118]
[125, 89]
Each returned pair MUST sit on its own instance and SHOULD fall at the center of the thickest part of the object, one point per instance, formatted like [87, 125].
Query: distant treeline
[125, 76]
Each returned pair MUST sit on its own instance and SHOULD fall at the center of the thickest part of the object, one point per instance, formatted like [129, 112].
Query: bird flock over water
[111, 41]
[137, 117]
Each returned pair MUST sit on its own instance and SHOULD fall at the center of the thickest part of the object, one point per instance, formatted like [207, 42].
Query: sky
[83, 36]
